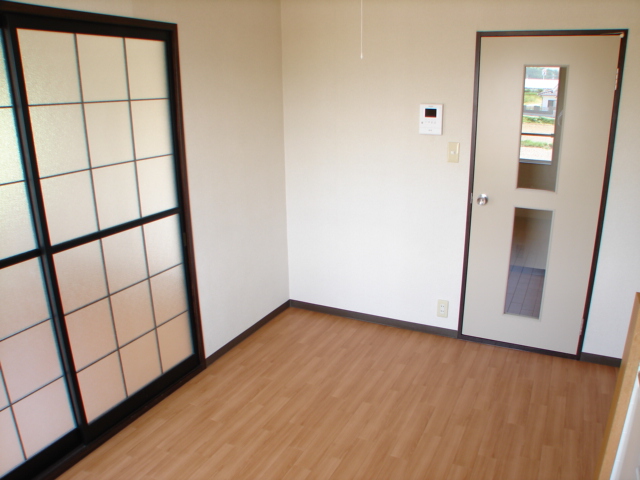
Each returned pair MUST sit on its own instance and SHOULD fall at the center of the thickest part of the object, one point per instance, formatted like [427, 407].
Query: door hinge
[471, 198]
[617, 73]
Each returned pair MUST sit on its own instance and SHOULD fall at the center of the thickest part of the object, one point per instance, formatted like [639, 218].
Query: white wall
[230, 56]
[376, 217]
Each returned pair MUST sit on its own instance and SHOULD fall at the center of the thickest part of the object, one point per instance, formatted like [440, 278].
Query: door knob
[482, 199]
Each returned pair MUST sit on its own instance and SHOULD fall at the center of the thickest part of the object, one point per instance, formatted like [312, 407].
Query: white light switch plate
[453, 152]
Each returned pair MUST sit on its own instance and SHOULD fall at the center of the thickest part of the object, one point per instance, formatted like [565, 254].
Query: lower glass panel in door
[528, 261]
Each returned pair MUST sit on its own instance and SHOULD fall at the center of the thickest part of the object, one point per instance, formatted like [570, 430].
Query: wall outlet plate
[443, 308]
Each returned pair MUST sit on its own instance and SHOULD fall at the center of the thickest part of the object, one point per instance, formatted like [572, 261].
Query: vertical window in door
[542, 113]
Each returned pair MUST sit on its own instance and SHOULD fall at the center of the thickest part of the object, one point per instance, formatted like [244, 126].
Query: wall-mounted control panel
[431, 119]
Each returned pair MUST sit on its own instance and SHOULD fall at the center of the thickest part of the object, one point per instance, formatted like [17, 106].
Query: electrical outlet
[443, 308]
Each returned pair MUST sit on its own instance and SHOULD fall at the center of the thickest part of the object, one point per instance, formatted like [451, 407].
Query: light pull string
[361, 28]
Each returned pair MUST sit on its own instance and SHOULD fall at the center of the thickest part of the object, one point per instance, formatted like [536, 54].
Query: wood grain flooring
[314, 396]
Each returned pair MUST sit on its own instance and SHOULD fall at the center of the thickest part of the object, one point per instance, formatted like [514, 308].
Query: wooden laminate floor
[313, 396]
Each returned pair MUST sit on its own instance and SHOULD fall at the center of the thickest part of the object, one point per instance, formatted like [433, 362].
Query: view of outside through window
[539, 113]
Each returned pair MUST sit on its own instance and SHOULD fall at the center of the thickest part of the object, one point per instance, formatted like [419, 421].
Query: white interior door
[532, 243]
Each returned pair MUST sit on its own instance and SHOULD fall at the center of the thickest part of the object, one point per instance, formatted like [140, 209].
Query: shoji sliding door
[35, 409]
[97, 292]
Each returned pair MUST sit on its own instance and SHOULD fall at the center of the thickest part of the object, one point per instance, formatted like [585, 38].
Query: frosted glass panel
[10, 162]
[4, 396]
[44, 417]
[103, 139]
[140, 362]
[109, 132]
[102, 68]
[22, 297]
[50, 66]
[101, 386]
[91, 333]
[5, 96]
[146, 61]
[151, 128]
[163, 242]
[124, 258]
[116, 194]
[15, 221]
[29, 360]
[132, 312]
[169, 295]
[81, 276]
[175, 342]
[157, 182]
[58, 133]
[68, 202]
[11, 455]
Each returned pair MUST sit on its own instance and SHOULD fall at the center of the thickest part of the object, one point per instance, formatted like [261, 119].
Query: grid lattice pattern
[99, 115]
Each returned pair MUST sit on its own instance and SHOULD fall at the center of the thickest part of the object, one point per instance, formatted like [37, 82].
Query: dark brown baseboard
[600, 359]
[389, 322]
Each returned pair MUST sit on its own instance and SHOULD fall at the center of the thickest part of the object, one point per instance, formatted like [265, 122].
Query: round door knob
[482, 199]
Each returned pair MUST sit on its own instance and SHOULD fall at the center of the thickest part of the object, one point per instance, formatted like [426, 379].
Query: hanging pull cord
[361, 29]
